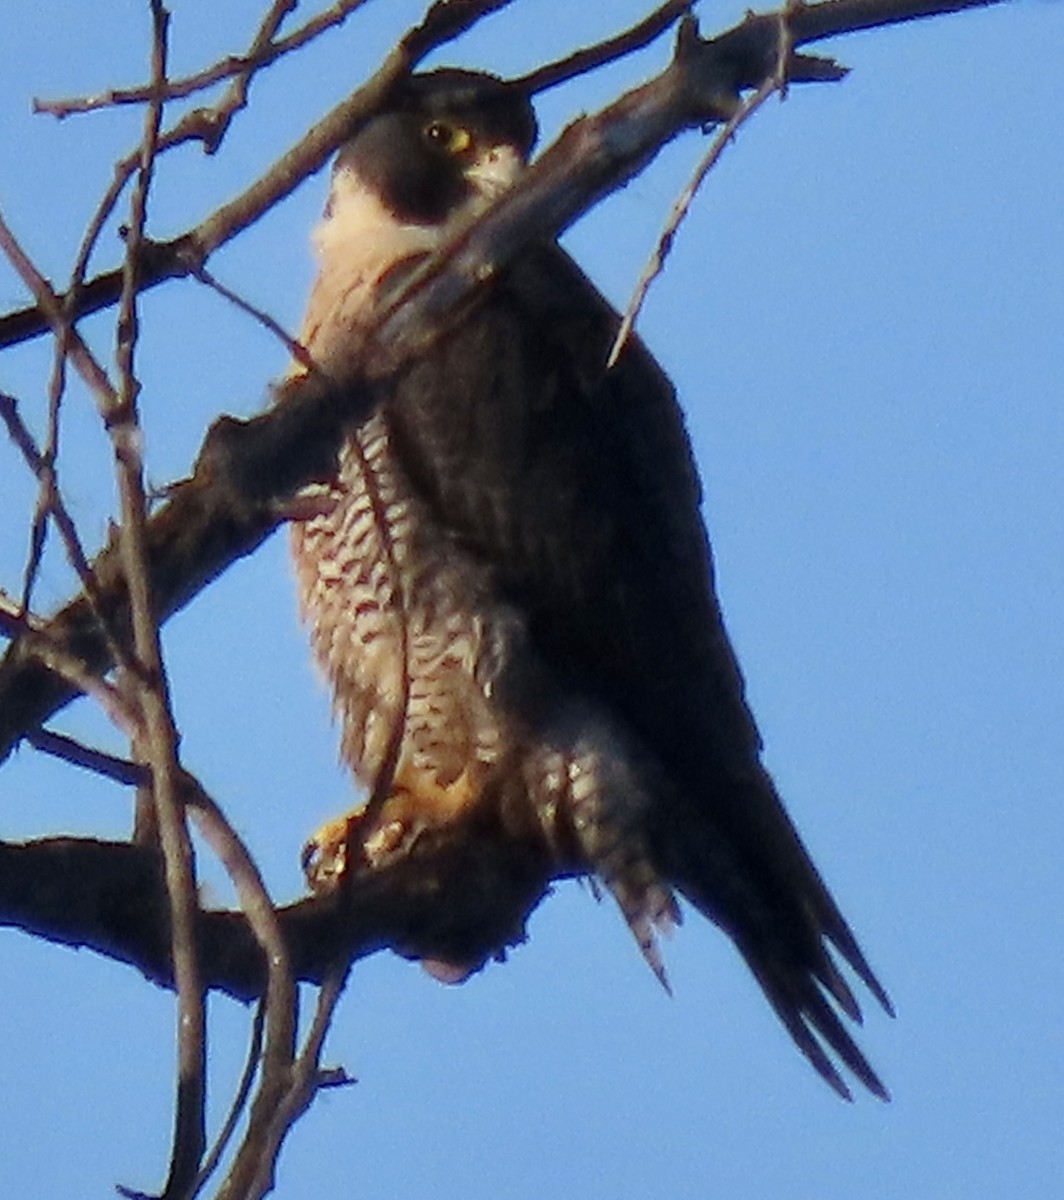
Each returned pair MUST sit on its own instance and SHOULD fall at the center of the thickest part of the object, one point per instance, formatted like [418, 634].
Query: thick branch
[221, 514]
[457, 896]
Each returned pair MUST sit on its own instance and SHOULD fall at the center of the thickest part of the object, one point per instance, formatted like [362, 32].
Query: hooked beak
[492, 172]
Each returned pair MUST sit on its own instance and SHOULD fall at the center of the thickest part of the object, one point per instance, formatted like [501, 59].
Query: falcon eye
[453, 139]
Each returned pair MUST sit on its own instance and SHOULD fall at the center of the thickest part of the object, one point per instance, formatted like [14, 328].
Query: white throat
[360, 238]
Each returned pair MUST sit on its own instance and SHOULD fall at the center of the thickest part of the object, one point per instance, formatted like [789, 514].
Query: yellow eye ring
[454, 139]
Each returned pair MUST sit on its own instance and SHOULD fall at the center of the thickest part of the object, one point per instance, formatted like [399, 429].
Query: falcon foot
[326, 856]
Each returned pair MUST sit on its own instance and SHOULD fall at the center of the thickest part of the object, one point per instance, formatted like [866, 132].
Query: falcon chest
[393, 610]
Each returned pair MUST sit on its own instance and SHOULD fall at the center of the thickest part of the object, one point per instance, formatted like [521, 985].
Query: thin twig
[591, 57]
[263, 51]
[110, 766]
[16, 618]
[777, 82]
[292, 344]
[281, 995]
[69, 665]
[219, 834]
[42, 465]
[385, 775]
[100, 387]
[157, 742]
[123, 171]
[236, 1109]
[236, 94]
[50, 503]
[50, 454]
[252, 1174]
[207, 125]
[50, 307]
[18, 431]
[278, 1011]
[656, 263]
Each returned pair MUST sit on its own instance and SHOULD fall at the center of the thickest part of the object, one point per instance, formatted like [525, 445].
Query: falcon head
[445, 146]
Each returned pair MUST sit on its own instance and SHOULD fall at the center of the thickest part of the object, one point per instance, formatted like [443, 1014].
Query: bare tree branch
[264, 49]
[240, 1098]
[206, 125]
[252, 1174]
[461, 895]
[280, 1011]
[118, 770]
[582, 61]
[155, 739]
[99, 385]
[656, 264]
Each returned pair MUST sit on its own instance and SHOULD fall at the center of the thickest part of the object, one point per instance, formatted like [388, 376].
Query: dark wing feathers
[578, 487]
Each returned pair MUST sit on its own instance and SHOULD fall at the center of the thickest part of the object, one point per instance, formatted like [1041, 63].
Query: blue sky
[863, 318]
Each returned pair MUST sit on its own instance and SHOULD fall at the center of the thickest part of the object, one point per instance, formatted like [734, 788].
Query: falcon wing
[577, 486]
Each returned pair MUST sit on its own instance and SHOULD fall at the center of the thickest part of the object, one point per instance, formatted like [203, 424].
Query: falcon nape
[510, 588]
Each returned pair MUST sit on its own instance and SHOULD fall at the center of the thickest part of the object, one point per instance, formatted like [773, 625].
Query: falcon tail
[738, 860]
[751, 875]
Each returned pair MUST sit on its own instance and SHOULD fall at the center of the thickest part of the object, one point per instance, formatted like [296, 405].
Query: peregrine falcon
[510, 589]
